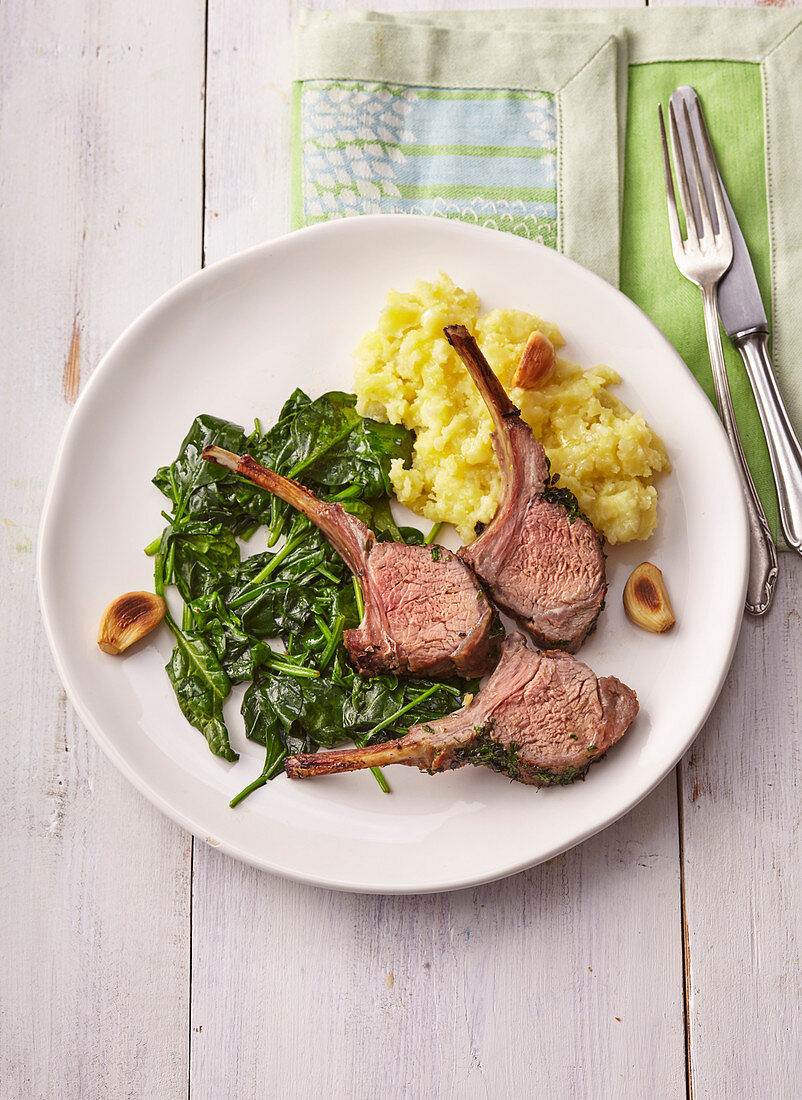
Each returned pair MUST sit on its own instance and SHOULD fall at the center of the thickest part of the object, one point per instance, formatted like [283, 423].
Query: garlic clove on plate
[537, 363]
[646, 599]
[129, 618]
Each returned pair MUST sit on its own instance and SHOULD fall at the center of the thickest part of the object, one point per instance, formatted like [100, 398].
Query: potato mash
[407, 373]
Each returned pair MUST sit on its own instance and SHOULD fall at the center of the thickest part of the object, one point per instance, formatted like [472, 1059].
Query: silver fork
[703, 257]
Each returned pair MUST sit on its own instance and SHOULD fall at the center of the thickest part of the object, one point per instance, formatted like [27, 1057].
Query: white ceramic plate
[234, 340]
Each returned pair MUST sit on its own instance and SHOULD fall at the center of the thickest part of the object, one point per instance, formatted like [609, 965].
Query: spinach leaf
[205, 491]
[384, 526]
[201, 686]
[363, 455]
[202, 558]
[261, 721]
[288, 600]
[237, 651]
[237, 504]
[262, 726]
[326, 444]
[328, 711]
[189, 472]
[242, 662]
[376, 701]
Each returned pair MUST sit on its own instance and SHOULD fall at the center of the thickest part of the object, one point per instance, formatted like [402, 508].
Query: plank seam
[203, 264]
[203, 132]
[686, 961]
[189, 1012]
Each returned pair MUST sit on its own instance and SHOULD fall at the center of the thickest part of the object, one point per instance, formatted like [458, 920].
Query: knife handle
[785, 451]
[762, 551]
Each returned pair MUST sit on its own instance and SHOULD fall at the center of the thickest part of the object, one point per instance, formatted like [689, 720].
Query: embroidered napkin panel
[489, 124]
[377, 148]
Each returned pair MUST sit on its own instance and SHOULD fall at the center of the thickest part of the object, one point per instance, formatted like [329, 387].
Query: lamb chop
[542, 718]
[541, 562]
[425, 614]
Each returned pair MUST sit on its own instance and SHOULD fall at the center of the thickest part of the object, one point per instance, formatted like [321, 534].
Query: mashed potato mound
[407, 373]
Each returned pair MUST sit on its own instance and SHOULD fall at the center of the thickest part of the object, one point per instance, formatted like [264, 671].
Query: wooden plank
[568, 976]
[742, 812]
[100, 202]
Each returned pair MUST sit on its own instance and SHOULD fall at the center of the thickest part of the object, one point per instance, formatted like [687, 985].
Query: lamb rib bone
[425, 614]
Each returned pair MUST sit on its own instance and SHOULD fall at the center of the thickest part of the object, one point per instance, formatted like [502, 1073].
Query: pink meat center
[431, 606]
[556, 717]
[556, 562]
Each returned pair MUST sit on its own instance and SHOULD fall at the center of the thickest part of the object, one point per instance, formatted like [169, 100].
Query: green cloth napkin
[544, 123]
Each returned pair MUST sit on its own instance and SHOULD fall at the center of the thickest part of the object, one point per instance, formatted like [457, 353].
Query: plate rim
[187, 821]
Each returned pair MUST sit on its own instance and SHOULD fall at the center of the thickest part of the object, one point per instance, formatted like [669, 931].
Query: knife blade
[743, 317]
[740, 305]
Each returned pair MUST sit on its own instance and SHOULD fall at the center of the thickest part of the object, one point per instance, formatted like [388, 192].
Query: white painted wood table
[137, 142]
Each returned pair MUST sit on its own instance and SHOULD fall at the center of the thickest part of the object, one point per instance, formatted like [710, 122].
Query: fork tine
[715, 180]
[704, 208]
[693, 232]
[671, 198]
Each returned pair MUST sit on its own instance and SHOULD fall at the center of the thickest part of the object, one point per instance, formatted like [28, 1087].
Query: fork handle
[762, 551]
[785, 451]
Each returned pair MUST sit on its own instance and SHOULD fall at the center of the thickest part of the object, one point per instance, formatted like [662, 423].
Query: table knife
[744, 320]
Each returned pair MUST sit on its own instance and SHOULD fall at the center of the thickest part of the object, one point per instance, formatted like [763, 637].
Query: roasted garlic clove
[537, 363]
[129, 618]
[646, 599]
